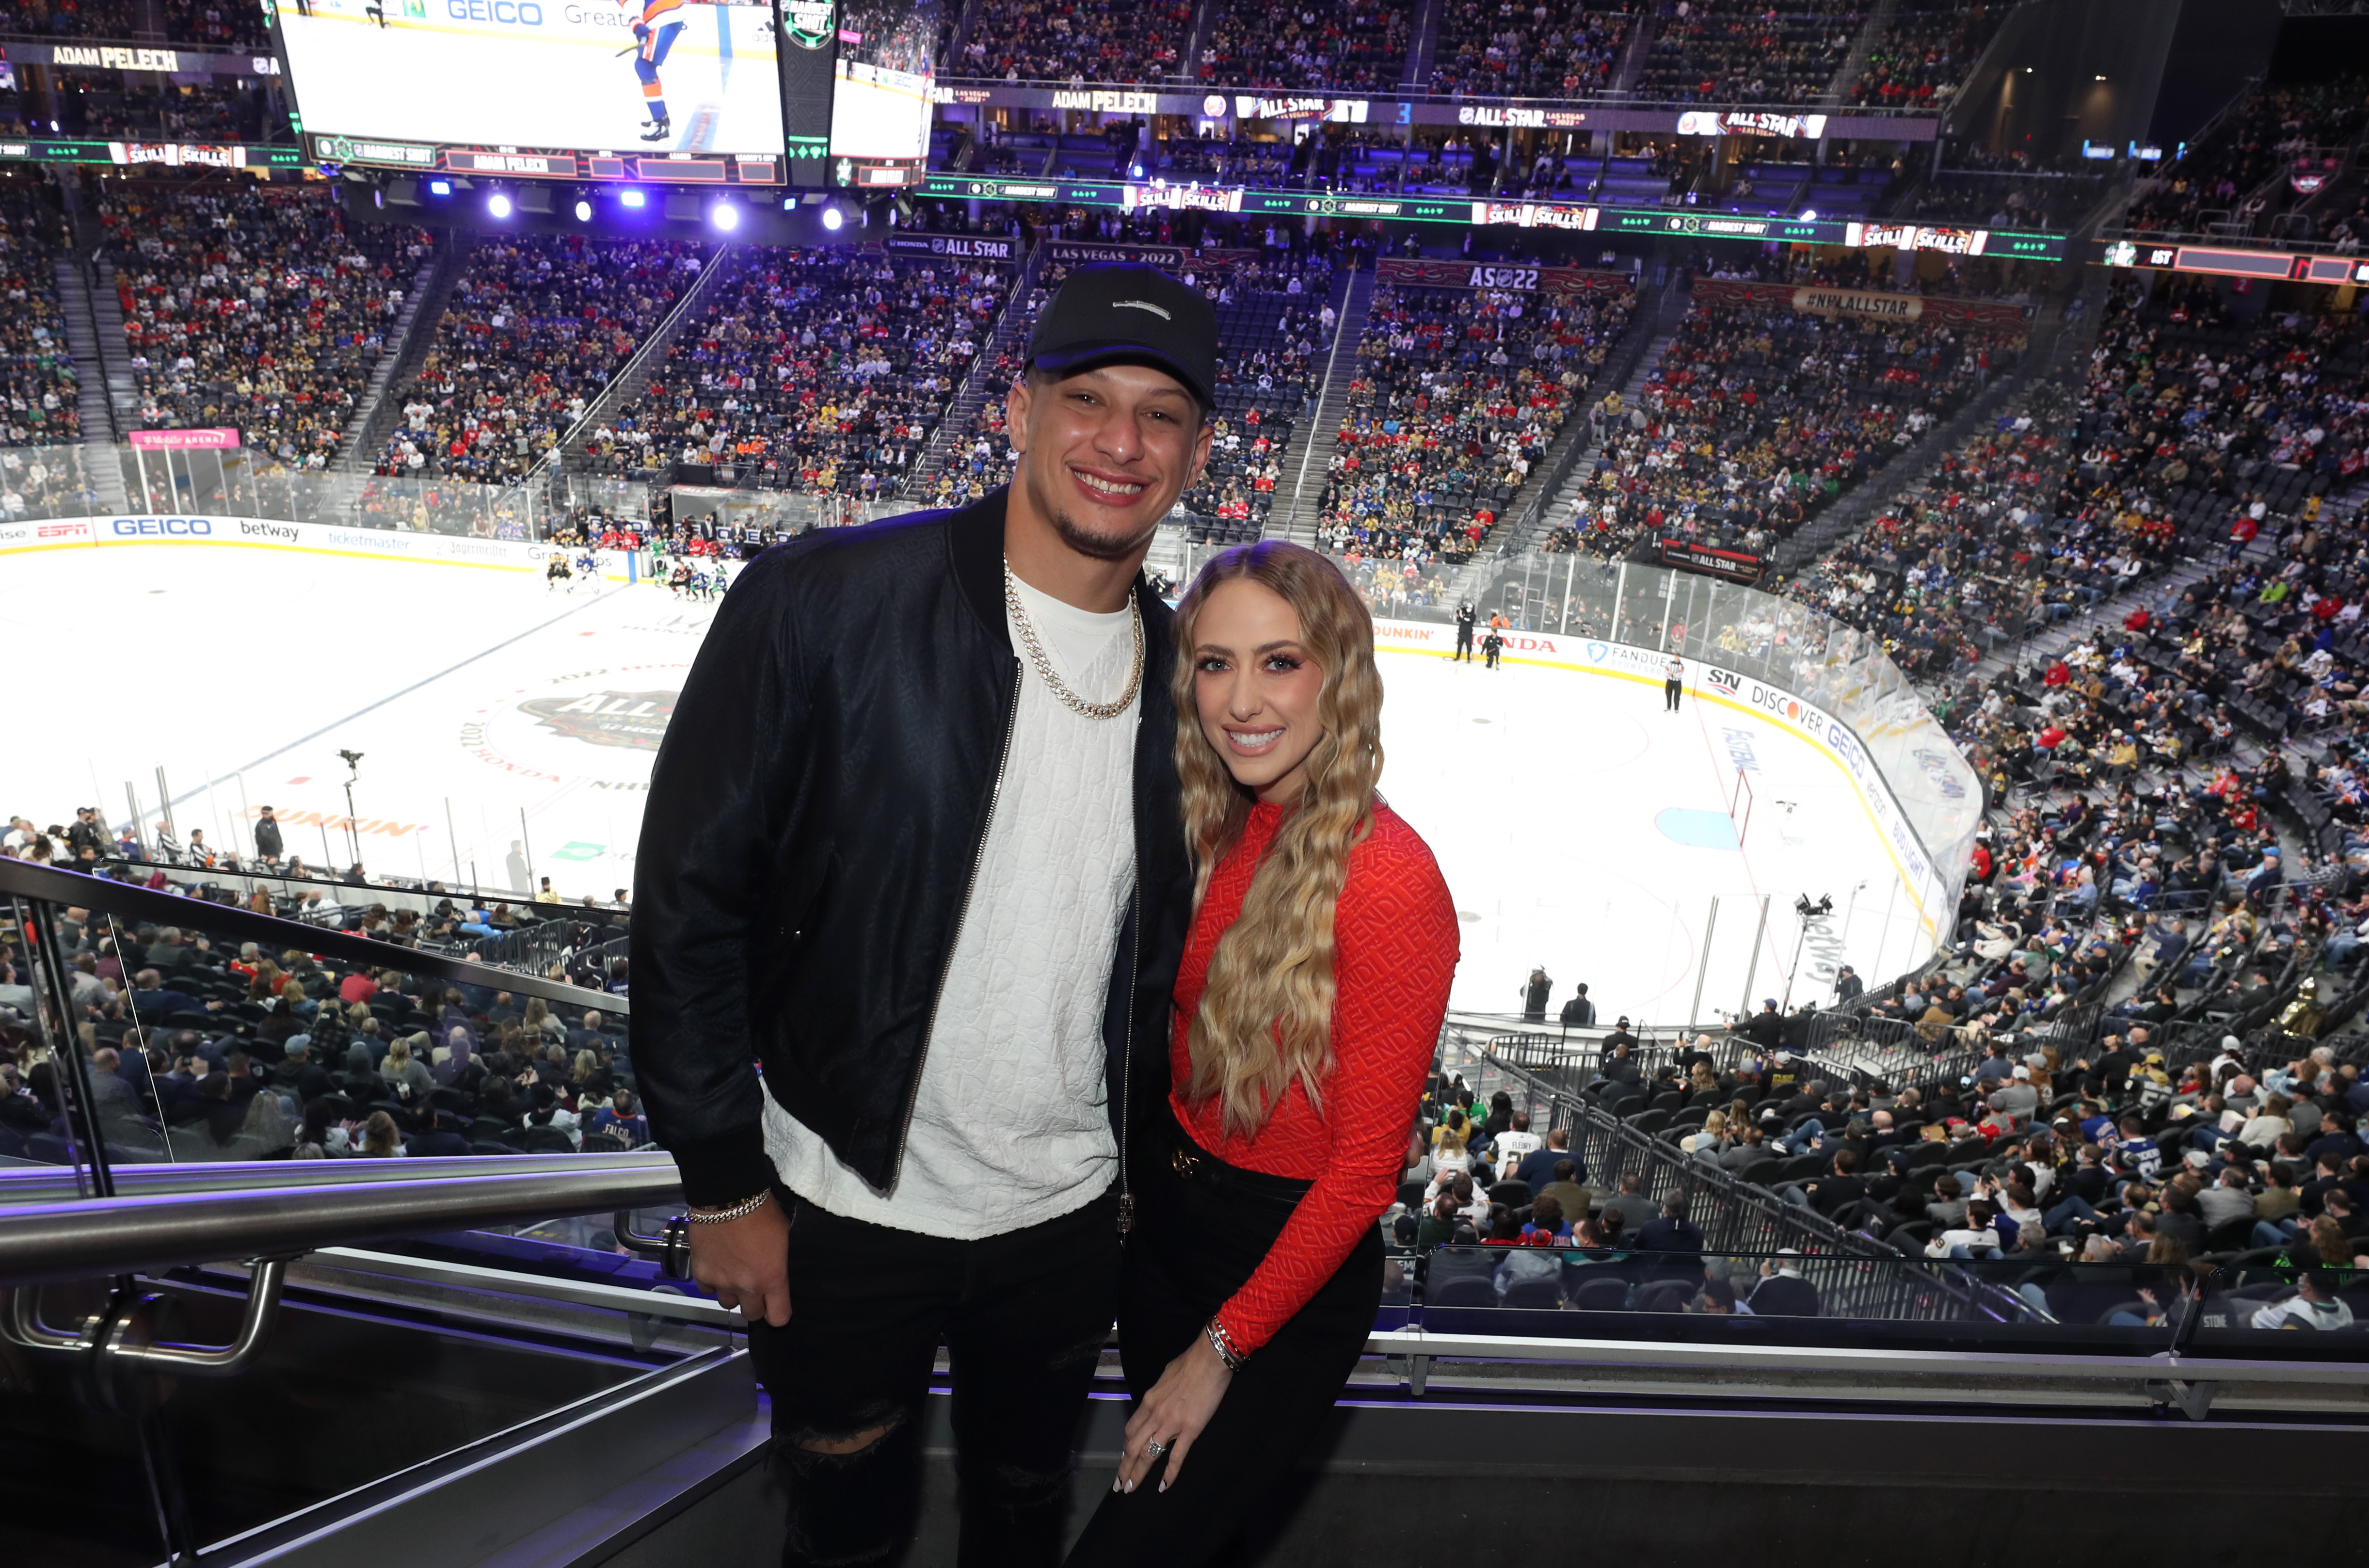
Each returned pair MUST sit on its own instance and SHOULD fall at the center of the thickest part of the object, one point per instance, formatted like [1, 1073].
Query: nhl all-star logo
[633, 719]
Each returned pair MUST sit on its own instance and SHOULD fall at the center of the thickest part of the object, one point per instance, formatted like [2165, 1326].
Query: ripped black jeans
[1023, 1317]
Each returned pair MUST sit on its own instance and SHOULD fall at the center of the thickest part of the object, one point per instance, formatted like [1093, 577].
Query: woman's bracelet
[1223, 1344]
[746, 1206]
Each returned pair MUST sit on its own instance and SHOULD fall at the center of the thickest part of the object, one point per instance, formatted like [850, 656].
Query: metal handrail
[79, 890]
[46, 1243]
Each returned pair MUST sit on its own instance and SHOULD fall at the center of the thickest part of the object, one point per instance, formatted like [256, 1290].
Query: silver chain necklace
[1053, 683]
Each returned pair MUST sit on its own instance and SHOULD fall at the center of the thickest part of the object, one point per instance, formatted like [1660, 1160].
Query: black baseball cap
[1125, 312]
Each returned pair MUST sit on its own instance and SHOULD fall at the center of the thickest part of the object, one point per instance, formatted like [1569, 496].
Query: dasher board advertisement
[644, 76]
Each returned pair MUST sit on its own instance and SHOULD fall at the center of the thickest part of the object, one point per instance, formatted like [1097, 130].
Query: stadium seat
[1543, 1292]
[1463, 1292]
[1601, 1294]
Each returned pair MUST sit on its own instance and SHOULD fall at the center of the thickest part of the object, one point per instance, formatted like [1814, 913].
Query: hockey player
[654, 35]
[557, 574]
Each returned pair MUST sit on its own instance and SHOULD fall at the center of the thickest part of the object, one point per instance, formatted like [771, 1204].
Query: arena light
[583, 212]
[1809, 214]
[440, 187]
[833, 219]
[498, 205]
[631, 198]
[725, 216]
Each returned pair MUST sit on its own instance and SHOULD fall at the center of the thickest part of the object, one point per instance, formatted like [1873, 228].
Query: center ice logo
[633, 719]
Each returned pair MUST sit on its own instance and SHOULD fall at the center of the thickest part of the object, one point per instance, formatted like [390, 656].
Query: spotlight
[583, 212]
[440, 187]
[1809, 214]
[1135, 171]
[725, 216]
[498, 205]
[833, 219]
[631, 198]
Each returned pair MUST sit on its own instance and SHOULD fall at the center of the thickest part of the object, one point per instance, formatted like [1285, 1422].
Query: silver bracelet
[1223, 1344]
[746, 1206]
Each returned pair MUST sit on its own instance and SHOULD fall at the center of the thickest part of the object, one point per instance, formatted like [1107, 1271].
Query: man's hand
[747, 1263]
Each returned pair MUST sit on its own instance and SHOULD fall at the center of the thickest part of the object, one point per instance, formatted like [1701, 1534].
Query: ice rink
[1580, 826]
[464, 75]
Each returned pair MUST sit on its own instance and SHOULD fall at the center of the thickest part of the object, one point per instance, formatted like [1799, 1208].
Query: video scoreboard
[704, 92]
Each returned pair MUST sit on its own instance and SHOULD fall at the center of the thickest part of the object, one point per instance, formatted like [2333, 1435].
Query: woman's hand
[1175, 1412]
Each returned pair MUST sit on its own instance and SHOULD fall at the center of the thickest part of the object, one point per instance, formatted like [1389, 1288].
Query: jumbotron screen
[880, 91]
[556, 87]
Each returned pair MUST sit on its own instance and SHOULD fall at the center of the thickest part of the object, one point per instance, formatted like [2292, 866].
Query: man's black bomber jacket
[814, 817]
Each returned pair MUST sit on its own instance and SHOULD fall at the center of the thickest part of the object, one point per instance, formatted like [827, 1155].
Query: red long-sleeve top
[1396, 944]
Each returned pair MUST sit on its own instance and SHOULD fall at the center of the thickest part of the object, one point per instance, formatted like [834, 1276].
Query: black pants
[1494, 651]
[1670, 692]
[1023, 1317]
[1464, 644]
[1201, 1228]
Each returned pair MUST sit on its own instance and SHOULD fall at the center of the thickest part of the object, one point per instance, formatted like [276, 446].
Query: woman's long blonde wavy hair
[1266, 1013]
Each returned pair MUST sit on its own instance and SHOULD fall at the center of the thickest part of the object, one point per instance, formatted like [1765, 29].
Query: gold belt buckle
[1185, 1162]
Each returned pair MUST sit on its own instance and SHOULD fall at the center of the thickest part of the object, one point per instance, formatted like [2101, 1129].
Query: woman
[403, 1071]
[1308, 1004]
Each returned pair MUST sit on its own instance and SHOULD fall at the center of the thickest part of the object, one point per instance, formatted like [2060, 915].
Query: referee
[1674, 687]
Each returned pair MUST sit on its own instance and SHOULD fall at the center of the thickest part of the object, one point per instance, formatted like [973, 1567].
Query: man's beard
[1095, 546]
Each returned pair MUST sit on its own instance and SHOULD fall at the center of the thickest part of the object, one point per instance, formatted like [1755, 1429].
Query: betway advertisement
[1933, 887]
[313, 538]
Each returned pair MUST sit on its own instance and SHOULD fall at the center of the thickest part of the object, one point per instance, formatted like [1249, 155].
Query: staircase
[944, 447]
[1570, 460]
[1321, 436]
[398, 344]
[633, 377]
[93, 404]
[1423, 45]
[952, 64]
[374, 420]
[1879, 23]
[114, 351]
[1632, 58]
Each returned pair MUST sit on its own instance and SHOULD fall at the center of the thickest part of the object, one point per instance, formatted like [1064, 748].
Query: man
[1782, 1292]
[1537, 1167]
[1516, 1143]
[1849, 986]
[1764, 1028]
[85, 833]
[1579, 1013]
[2315, 1305]
[1568, 1191]
[266, 837]
[1636, 1210]
[2017, 1098]
[837, 855]
[1466, 616]
[1674, 683]
[1673, 1233]
[514, 864]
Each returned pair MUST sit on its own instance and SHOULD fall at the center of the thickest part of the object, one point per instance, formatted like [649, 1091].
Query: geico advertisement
[506, 555]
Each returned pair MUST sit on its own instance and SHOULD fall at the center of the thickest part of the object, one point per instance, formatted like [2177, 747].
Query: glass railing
[2276, 1306]
[161, 1029]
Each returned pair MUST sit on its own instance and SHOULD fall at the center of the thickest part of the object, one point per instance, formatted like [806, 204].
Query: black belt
[1192, 1164]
